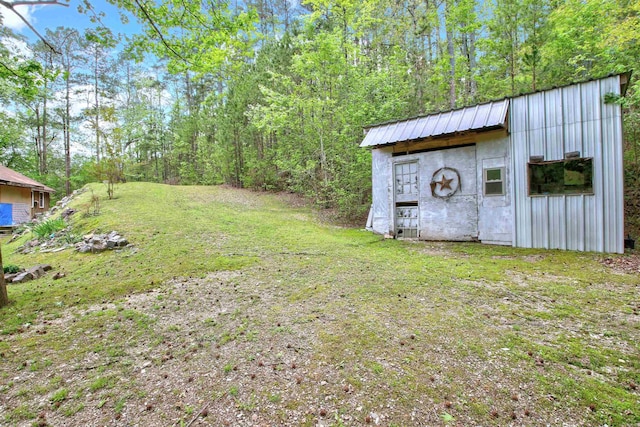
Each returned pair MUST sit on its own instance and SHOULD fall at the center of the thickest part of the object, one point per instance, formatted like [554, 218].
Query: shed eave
[442, 136]
[440, 125]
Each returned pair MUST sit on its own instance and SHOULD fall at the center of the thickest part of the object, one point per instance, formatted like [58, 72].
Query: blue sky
[53, 16]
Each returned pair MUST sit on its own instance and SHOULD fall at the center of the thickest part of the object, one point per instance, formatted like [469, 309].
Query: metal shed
[540, 170]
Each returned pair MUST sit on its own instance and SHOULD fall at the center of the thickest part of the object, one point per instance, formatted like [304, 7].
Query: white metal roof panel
[480, 117]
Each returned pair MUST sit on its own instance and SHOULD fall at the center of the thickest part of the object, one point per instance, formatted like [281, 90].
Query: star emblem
[447, 186]
[445, 183]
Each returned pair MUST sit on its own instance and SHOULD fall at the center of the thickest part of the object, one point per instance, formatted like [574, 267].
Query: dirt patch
[525, 258]
[234, 349]
[623, 264]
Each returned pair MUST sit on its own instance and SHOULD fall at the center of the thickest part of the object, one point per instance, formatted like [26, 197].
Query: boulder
[99, 247]
[36, 272]
[114, 240]
[83, 248]
[25, 276]
[31, 273]
[67, 213]
[100, 242]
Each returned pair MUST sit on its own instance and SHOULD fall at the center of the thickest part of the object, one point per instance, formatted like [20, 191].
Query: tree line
[274, 94]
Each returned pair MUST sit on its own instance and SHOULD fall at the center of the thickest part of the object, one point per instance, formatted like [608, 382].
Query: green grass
[238, 296]
[48, 227]
[99, 383]
[59, 396]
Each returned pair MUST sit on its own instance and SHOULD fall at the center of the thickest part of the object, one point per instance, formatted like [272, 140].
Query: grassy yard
[236, 308]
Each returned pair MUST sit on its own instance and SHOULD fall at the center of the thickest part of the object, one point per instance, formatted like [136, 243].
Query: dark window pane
[492, 188]
[578, 175]
[494, 174]
[546, 178]
[562, 177]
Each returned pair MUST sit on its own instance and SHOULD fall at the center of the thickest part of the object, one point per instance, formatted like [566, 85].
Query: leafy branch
[12, 7]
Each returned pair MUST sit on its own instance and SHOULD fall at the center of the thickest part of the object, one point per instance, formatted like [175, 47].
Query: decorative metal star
[445, 183]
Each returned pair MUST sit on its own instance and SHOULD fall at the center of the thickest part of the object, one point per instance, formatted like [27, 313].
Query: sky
[52, 16]
[49, 17]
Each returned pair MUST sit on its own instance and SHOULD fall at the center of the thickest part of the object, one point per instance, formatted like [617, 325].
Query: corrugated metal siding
[614, 184]
[551, 123]
[381, 185]
[485, 116]
[576, 227]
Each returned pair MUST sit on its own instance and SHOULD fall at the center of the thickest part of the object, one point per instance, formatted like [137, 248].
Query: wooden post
[4, 298]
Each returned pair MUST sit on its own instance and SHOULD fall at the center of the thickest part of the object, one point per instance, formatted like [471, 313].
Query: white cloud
[13, 21]
[17, 47]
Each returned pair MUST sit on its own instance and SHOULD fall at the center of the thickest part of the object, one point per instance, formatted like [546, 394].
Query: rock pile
[101, 242]
[29, 274]
[67, 213]
[59, 241]
[62, 203]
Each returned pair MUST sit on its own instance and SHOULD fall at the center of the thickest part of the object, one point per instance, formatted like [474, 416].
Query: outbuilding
[539, 170]
[21, 197]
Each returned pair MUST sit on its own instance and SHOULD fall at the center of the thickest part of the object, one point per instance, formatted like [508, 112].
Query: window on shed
[494, 181]
[571, 176]
[41, 199]
[406, 175]
[407, 220]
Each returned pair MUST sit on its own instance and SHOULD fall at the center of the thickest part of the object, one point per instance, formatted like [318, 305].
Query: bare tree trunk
[512, 60]
[464, 49]
[97, 105]
[472, 66]
[39, 139]
[286, 13]
[345, 34]
[4, 297]
[239, 166]
[43, 161]
[452, 55]
[187, 92]
[67, 139]
[323, 161]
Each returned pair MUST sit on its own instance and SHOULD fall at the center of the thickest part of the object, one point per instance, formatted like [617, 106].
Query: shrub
[48, 227]
[11, 269]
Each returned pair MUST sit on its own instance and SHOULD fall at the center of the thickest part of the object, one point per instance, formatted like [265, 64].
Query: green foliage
[99, 383]
[273, 96]
[290, 117]
[59, 396]
[11, 269]
[46, 228]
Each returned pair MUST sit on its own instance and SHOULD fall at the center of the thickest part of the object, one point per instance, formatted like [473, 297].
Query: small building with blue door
[21, 198]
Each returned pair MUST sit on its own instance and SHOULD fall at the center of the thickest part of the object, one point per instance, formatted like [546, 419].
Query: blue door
[6, 214]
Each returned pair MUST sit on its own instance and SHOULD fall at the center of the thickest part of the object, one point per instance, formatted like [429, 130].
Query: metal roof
[11, 177]
[491, 115]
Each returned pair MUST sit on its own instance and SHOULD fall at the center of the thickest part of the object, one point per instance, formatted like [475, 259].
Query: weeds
[49, 227]
[59, 396]
[98, 384]
[92, 207]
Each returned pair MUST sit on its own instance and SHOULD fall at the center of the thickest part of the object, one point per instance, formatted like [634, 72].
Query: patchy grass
[233, 307]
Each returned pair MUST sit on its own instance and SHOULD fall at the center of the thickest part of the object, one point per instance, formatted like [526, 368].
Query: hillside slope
[237, 308]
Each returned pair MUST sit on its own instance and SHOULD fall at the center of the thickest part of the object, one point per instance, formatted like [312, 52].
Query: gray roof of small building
[482, 117]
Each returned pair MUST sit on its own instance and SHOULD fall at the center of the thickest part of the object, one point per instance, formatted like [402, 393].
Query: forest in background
[273, 94]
